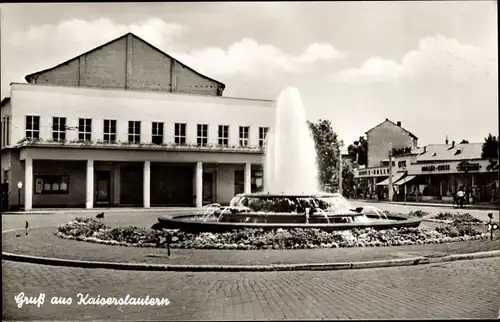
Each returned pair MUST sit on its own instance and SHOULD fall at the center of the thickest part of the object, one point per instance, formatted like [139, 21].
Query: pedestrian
[460, 197]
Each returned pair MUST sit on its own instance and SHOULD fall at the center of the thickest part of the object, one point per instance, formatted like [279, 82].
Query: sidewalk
[42, 242]
[481, 206]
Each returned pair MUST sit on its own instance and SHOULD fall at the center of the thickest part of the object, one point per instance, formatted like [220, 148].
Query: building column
[89, 204]
[28, 184]
[147, 184]
[248, 178]
[199, 184]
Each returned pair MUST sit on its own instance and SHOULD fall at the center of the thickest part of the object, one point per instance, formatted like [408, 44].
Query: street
[463, 289]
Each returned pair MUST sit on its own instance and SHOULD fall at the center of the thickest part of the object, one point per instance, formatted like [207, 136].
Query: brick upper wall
[129, 63]
[64, 75]
[150, 69]
[187, 81]
[105, 67]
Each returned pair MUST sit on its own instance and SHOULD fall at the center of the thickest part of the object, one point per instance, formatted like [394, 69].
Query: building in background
[381, 140]
[385, 137]
[434, 172]
[125, 124]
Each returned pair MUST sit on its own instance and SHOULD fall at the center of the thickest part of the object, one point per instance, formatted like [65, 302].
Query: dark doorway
[208, 188]
[5, 197]
[171, 185]
[131, 181]
[103, 188]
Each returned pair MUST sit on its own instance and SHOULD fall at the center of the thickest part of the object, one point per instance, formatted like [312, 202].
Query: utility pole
[341, 144]
[404, 188]
[390, 174]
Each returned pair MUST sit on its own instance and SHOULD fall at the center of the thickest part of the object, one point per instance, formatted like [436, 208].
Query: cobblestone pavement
[465, 289]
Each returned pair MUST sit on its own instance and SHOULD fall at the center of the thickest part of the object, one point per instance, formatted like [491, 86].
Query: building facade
[93, 132]
[433, 172]
[383, 138]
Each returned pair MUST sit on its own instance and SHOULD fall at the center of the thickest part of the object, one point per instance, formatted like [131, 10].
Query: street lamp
[341, 144]
[390, 192]
[19, 187]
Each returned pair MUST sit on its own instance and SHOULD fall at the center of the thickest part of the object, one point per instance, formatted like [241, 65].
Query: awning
[404, 180]
[395, 178]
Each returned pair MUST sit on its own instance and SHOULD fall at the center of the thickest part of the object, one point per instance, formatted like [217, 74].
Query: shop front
[442, 180]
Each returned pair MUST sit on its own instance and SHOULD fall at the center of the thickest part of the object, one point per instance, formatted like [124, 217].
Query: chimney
[425, 149]
[399, 123]
[452, 144]
[446, 141]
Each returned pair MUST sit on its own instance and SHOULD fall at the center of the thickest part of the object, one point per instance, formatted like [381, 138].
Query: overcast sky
[431, 65]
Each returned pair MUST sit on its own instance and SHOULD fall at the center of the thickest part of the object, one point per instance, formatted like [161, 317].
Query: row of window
[84, 129]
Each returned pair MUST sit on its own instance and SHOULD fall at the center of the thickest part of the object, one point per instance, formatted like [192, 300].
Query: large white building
[127, 125]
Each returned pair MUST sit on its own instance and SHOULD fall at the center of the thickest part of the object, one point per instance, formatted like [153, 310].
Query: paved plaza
[462, 289]
[465, 289]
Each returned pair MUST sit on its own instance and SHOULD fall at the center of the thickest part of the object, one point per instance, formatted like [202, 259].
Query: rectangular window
[32, 126]
[262, 136]
[59, 128]
[109, 131]
[244, 131]
[5, 131]
[202, 134]
[134, 132]
[157, 133]
[180, 133]
[224, 135]
[84, 129]
[51, 184]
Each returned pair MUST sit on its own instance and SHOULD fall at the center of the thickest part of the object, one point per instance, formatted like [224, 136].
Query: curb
[96, 210]
[436, 205]
[246, 268]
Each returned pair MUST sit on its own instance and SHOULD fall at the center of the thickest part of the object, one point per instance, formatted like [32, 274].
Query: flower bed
[454, 218]
[91, 230]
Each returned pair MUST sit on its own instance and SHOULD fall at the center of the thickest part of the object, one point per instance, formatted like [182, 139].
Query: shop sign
[430, 168]
[374, 172]
[466, 166]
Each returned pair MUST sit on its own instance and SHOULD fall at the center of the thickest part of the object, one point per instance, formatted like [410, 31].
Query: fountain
[293, 198]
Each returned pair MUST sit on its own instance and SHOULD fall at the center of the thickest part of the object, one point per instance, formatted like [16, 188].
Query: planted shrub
[418, 213]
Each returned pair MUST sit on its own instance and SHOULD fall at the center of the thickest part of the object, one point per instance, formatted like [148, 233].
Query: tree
[347, 175]
[359, 150]
[327, 152]
[464, 141]
[490, 147]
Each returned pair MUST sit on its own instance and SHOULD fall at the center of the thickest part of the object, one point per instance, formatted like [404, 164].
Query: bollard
[169, 240]
[491, 226]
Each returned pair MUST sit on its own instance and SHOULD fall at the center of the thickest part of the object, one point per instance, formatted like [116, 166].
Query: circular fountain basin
[327, 212]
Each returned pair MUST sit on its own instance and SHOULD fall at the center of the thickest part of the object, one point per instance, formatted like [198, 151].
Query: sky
[432, 65]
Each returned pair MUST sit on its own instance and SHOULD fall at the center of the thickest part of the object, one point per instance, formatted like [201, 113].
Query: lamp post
[19, 187]
[389, 195]
[404, 188]
[341, 144]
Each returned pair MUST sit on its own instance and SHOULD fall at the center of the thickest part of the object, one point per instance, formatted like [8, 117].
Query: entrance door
[103, 187]
[208, 188]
